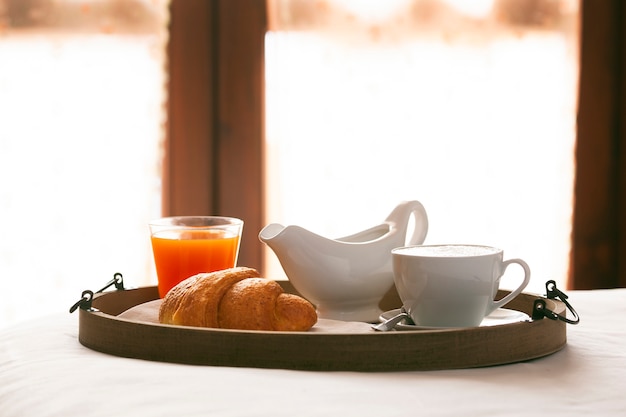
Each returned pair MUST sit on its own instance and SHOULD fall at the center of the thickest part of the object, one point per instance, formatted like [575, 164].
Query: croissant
[235, 298]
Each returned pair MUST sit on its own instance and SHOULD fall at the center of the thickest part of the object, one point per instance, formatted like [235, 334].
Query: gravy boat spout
[347, 277]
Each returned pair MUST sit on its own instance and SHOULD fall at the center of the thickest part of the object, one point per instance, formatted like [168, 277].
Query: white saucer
[498, 317]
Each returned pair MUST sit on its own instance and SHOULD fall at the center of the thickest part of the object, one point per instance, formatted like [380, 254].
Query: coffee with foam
[448, 250]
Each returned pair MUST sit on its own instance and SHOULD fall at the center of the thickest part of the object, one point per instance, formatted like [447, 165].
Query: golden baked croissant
[235, 298]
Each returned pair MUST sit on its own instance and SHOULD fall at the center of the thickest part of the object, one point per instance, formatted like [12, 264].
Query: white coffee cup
[452, 285]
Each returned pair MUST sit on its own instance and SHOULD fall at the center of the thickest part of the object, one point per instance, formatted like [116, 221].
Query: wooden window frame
[214, 145]
[215, 125]
[598, 256]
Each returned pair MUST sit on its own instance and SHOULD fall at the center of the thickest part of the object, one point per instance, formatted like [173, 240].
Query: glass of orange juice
[184, 246]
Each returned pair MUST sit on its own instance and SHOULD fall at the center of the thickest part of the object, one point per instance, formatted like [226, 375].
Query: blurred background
[82, 95]
[466, 105]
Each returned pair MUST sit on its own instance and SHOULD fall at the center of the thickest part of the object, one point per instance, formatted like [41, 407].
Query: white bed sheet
[45, 371]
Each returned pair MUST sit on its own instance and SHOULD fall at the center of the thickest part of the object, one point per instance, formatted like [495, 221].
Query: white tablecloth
[45, 371]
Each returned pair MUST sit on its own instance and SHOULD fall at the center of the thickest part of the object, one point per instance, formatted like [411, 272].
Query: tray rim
[100, 329]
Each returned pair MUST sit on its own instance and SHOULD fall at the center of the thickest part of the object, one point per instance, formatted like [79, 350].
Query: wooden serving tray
[102, 330]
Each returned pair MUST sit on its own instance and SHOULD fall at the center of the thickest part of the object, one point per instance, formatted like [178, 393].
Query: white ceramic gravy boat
[346, 278]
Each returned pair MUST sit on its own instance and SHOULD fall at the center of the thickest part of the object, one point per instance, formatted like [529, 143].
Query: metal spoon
[391, 323]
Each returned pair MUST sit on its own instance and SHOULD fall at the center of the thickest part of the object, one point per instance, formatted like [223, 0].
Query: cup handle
[518, 290]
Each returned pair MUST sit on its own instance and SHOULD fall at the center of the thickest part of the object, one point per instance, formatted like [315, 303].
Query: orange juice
[180, 254]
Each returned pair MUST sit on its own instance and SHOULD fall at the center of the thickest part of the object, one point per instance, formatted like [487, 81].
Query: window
[469, 107]
[82, 89]
[236, 35]
[52, 157]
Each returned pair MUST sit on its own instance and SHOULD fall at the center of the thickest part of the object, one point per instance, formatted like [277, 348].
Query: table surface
[45, 371]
